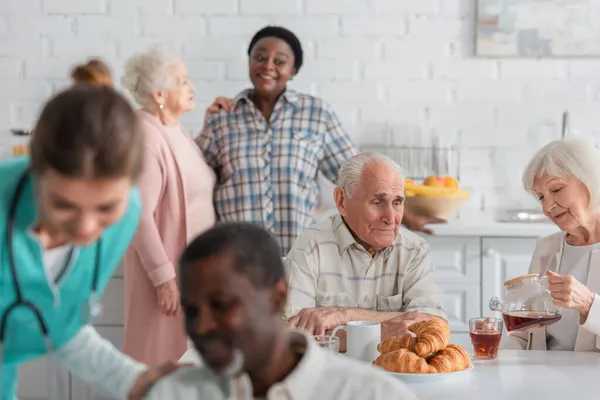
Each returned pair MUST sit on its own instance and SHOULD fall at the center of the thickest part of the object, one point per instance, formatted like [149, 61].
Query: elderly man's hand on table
[399, 325]
[316, 321]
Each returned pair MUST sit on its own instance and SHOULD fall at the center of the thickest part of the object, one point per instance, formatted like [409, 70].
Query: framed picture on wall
[538, 28]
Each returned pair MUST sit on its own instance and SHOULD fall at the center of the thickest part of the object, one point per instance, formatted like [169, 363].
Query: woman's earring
[161, 106]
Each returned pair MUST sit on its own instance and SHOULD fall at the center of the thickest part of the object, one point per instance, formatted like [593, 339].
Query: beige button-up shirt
[326, 267]
[320, 374]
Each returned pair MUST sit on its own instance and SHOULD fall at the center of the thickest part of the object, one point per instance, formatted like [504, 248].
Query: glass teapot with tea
[527, 305]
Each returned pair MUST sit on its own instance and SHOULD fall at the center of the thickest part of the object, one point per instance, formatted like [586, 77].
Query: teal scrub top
[65, 310]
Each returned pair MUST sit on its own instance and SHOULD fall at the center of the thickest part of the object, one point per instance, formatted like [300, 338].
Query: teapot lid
[520, 278]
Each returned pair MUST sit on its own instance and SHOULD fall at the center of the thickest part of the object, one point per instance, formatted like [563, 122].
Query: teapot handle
[544, 282]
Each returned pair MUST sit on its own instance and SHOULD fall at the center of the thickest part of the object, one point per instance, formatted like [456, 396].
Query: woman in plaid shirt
[268, 145]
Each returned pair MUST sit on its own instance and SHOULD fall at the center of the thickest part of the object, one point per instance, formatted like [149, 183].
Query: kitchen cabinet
[470, 270]
[458, 273]
[43, 379]
[502, 259]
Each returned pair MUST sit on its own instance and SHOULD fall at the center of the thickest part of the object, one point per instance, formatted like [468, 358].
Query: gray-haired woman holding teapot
[565, 177]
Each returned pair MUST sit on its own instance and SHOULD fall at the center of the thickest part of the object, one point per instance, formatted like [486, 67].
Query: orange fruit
[433, 180]
[450, 182]
[409, 182]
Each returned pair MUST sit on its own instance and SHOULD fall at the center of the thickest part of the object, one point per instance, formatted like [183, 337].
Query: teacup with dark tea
[486, 334]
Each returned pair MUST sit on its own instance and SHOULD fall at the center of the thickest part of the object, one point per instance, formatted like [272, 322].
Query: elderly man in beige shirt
[360, 264]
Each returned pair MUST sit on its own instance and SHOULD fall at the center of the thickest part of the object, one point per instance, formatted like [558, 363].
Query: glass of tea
[485, 336]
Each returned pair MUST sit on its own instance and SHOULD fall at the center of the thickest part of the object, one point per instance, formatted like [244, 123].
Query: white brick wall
[385, 65]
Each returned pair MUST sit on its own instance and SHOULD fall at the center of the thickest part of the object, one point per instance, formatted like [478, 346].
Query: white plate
[433, 377]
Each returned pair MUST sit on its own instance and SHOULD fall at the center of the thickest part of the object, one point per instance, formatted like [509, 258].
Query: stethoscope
[94, 308]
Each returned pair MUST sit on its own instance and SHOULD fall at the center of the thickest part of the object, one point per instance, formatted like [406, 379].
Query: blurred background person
[266, 151]
[69, 212]
[94, 72]
[268, 144]
[177, 188]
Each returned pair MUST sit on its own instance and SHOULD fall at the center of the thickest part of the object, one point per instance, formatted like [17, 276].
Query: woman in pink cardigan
[176, 187]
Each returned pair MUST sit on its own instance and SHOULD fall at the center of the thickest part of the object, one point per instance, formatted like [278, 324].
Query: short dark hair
[285, 35]
[88, 132]
[256, 252]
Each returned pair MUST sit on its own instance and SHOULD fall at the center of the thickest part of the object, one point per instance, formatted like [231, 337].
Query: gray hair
[352, 169]
[572, 158]
[148, 72]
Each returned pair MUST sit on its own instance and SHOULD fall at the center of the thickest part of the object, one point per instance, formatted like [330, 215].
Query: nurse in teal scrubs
[67, 215]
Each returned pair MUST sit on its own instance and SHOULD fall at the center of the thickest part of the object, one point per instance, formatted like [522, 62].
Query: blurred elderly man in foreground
[233, 293]
[360, 264]
[565, 177]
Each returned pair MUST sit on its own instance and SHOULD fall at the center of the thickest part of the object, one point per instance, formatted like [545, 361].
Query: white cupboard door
[120, 271]
[82, 391]
[457, 259]
[463, 340]
[503, 259]
[43, 379]
[461, 302]
[458, 273]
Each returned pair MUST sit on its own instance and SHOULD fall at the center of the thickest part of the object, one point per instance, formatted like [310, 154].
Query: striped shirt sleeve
[338, 148]
[421, 293]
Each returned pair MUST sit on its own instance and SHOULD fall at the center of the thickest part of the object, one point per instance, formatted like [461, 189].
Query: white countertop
[520, 374]
[479, 225]
[486, 227]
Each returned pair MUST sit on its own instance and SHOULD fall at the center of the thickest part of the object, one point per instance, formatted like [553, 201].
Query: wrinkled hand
[316, 321]
[219, 103]
[417, 222]
[148, 378]
[568, 292]
[168, 297]
[399, 325]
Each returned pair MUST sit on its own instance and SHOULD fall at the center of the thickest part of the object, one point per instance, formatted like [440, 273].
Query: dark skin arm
[416, 222]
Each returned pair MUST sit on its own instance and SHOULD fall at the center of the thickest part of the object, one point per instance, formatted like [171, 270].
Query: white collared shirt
[326, 267]
[319, 375]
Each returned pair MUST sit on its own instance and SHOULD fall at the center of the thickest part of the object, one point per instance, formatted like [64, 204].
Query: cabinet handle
[490, 253]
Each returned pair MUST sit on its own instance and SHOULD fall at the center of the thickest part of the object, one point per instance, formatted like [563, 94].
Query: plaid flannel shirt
[267, 170]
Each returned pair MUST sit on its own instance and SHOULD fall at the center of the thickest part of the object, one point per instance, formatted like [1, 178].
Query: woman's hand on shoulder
[220, 102]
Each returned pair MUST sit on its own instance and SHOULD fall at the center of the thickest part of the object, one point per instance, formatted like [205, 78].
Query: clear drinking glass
[485, 336]
[328, 342]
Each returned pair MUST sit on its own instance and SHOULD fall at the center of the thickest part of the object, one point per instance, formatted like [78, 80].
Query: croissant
[432, 336]
[404, 361]
[452, 359]
[397, 342]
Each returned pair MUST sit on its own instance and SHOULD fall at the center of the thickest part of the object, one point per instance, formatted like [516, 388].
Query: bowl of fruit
[437, 196]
